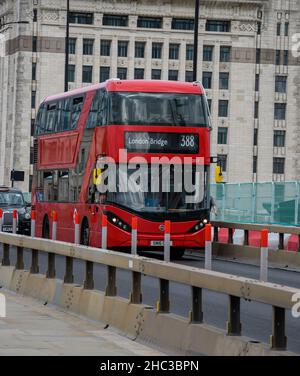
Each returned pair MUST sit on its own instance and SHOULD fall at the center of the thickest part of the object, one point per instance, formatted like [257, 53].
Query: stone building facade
[246, 62]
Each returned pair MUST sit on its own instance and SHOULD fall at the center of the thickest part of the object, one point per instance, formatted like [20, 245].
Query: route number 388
[187, 141]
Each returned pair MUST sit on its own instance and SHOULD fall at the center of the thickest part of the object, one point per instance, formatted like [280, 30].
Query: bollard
[1, 219]
[54, 226]
[104, 231]
[167, 241]
[264, 256]
[208, 248]
[134, 236]
[34, 269]
[33, 222]
[77, 229]
[15, 219]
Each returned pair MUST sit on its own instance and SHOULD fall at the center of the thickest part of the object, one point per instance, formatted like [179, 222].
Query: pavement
[256, 317]
[32, 329]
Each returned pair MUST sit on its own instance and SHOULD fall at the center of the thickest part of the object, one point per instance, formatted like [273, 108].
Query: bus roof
[150, 86]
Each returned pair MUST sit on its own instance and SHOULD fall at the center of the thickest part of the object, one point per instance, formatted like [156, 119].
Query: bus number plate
[158, 243]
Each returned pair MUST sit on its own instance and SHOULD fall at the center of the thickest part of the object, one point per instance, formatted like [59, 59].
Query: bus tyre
[177, 253]
[85, 233]
[46, 228]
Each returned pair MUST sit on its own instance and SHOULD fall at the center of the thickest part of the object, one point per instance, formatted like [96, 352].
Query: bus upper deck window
[76, 111]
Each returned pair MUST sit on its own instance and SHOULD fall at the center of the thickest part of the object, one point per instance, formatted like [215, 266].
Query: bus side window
[103, 106]
[51, 123]
[48, 185]
[76, 111]
[40, 121]
[93, 115]
[64, 115]
[63, 186]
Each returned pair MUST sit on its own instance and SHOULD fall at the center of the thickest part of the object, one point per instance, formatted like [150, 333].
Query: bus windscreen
[158, 109]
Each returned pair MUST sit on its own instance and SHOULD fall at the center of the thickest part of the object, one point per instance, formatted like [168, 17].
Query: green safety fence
[269, 203]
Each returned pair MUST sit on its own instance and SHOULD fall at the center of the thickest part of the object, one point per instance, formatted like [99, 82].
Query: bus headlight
[118, 222]
[199, 226]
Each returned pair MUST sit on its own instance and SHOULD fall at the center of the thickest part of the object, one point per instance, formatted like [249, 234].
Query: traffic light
[219, 175]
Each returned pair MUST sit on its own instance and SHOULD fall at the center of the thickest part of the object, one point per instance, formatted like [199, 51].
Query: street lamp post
[67, 48]
[196, 31]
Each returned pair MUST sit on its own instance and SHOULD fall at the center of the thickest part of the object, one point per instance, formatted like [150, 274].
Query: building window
[105, 47]
[278, 29]
[189, 52]
[257, 82]
[286, 29]
[173, 75]
[223, 108]
[209, 102]
[156, 74]
[280, 111]
[222, 161]
[254, 164]
[277, 57]
[207, 80]
[33, 72]
[35, 13]
[258, 56]
[150, 22]
[32, 127]
[189, 76]
[122, 48]
[255, 137]
[34, 44]
[140, 50]
[122, 73]
[156, 50]
[286, 57]
[219, 26]
[224, 81]
[88, 46]
[174, 51]
[183, 24]
[71, 73]
[256, 110]
[222, 135]
[139, 73]
[81, 18]
[114, 20]
[225, 53]
[208, 53]
[33, 99]
[72, 46]
[258, 28]
[104, 73]
[278, 165]
[87, 74]
[280, 84]
[279, 139]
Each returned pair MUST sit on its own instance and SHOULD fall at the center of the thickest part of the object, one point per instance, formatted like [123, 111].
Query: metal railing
[237, 288]
[269, 202]
[247, 227]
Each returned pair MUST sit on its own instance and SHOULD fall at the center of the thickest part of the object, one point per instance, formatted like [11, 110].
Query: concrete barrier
[165, 331]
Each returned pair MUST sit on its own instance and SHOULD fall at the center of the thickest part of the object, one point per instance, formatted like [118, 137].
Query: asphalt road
[256, 318]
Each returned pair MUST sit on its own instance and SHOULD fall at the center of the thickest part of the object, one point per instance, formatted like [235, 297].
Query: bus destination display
[153, 142]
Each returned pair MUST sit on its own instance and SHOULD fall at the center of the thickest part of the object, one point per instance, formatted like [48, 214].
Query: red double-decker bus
[80, 133]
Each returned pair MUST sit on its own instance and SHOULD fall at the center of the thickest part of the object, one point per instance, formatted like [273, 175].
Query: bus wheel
[177, 253]
[46, 228]
[85, 233]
